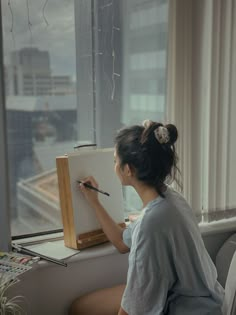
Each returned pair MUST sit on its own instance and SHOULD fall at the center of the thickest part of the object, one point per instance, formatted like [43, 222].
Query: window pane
[75, 72]
[144, 68]
[41, 104]
[130, 48]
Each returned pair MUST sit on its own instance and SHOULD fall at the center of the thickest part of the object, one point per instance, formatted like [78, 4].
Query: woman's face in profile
[121, 172]
[117, 167]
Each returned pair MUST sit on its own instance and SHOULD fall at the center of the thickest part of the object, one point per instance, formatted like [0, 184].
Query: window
[75, 72]
[78, 71]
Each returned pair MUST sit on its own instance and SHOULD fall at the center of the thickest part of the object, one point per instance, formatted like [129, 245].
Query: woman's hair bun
[173, 133]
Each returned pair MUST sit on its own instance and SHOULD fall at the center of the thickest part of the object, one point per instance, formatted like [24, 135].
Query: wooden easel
[71, 239]
[93, 238]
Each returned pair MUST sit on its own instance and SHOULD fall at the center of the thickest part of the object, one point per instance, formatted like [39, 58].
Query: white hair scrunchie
[146, 123]
[162, 134]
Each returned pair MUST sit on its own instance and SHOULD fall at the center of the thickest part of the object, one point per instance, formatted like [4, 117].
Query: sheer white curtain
[202, 101]
[179, 88]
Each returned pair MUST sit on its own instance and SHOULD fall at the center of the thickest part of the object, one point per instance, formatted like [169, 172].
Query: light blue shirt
[170, 271]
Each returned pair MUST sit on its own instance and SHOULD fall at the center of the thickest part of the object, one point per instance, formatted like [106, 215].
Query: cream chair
[229, 305]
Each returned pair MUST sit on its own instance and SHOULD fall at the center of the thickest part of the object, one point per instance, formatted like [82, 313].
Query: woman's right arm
[112, 230]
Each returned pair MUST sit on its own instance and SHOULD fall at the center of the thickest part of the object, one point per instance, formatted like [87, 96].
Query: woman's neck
[146, 193]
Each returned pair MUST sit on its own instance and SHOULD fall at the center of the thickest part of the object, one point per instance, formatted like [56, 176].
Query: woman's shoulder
[156, 217]
[167, 212]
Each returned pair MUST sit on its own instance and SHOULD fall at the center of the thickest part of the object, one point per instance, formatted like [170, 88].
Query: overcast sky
[58, 37]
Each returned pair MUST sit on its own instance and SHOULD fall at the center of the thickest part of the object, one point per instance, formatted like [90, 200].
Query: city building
[144, 60]
[29, 74]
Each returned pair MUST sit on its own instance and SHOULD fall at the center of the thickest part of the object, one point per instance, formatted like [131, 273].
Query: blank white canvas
[98, 163]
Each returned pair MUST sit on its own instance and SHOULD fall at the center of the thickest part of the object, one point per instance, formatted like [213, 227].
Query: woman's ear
[129, 171]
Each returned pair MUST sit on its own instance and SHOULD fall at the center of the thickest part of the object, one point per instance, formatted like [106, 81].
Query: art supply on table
[54, 249]
[22, 249]
[13, 264]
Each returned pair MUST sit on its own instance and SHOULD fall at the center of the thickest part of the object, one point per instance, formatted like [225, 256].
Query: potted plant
[9, 306]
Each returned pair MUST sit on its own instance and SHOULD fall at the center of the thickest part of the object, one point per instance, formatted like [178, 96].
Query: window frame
[6, 220]
[5, 232]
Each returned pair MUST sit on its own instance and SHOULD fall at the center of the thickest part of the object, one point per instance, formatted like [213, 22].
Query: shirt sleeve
[127, 234]
[146, 289]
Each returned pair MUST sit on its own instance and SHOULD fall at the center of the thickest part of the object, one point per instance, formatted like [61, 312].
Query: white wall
[49, 289]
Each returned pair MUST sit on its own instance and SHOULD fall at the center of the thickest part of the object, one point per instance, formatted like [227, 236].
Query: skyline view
[76, 75]
[46, 28]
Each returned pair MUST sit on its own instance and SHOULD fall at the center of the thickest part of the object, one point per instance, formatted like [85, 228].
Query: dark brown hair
[154, 163]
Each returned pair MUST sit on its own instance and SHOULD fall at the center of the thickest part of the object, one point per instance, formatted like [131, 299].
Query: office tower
[29, 74]
[144, 67]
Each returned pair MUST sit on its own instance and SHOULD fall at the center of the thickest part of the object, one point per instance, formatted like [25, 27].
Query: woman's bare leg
[100, 302]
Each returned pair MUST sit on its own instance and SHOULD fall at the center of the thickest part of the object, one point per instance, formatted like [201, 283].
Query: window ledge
[206, 228]
[94, 252]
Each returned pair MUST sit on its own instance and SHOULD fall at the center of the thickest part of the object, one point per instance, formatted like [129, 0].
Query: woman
[170, 271]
